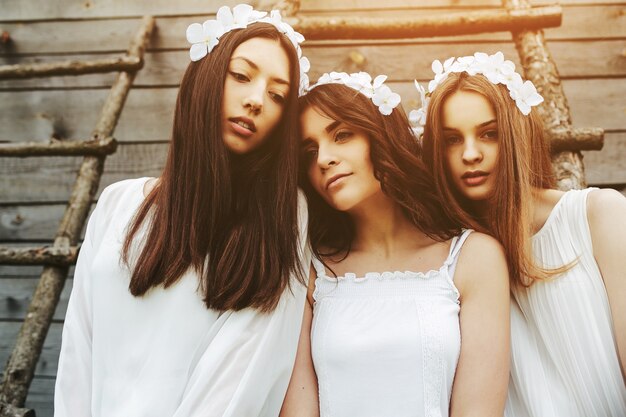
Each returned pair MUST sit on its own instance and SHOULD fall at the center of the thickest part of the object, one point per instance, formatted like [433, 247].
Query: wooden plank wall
[589, 48]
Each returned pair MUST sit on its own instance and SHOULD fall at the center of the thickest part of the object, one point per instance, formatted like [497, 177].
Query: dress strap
[455, 248]
[320, 269]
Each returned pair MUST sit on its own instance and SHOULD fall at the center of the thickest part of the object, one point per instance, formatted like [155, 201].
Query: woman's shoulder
[482, 261]
[123, 195]
[479, 242]
[123, 189]
[602, 202]
[605, 208]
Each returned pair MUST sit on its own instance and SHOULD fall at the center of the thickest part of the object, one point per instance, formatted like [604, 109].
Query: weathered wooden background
[589, 48]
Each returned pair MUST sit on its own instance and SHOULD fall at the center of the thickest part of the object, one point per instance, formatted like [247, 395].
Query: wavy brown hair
[395, 155]
[230, 218]
[523, 165]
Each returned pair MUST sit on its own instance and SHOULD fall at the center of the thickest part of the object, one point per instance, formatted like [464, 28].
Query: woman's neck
[381, 226]
[543, 202]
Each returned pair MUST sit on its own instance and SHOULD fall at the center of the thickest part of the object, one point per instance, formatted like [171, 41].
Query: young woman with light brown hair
[486, 148]
[409, 313]
[188, 291]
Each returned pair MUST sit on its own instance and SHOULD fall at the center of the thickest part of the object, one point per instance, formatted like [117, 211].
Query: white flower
[417, 131]
[526, 96]
[239, 17]
[304, 84]
[276, 19]
[462, 63]
[488, 65]
[305, 64]
[324, 79]
[513, 81]
[421, 91]
[385, 99]
[381, 95]
[203, 38]
[417, 117]
[339, 77]
[441, 72]
[362, 82]
[359, 80]
[480, 61]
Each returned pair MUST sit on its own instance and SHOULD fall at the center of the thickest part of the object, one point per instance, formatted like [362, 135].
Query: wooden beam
[580, 139]
[104, 146]
[540, 68]
[21, 365]
[39, 256]
[452, 24]
[71, 67]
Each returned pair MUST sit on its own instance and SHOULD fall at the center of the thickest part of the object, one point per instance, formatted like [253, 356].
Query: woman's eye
[278, 98]
[342, 135]
[491, 134]
[452, 140]
[239, 77]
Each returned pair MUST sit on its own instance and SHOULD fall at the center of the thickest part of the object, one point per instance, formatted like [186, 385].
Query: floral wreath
[380, 94]
[204, 37]
[494, 67]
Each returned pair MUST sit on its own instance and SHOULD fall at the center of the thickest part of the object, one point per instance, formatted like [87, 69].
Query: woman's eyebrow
[332, 126]
[487, 123]
[483, 124]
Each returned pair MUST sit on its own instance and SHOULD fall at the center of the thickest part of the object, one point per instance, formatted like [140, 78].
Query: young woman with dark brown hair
[486, 147]
[410, 315]
[188, 292]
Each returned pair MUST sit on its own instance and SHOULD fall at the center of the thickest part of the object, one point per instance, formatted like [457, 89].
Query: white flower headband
[204, 37]
[494, 67]
[380, 94]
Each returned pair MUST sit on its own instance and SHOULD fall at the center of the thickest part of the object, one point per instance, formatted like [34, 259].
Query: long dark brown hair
[395, 155]
[231, 218]
[523, 166]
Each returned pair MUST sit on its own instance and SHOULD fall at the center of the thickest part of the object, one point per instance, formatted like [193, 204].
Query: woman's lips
[474, 179]
[336, 180]
[241, 130]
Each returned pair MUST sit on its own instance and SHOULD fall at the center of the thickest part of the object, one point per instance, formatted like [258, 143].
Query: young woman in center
[410, 318]
[565, 250]
[189, 288]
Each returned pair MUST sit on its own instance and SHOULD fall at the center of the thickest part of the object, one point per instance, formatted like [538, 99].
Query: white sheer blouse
[165, 353]
[564, 354]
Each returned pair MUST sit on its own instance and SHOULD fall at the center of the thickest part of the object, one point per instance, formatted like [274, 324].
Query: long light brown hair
[395, 155]
[523, 165]
[231, 218]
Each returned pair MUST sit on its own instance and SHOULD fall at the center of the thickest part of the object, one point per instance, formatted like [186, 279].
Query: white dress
[563, 350]
[387, 345]
[165, 353]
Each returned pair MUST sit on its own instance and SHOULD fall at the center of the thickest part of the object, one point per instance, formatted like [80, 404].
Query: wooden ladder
[57, 258]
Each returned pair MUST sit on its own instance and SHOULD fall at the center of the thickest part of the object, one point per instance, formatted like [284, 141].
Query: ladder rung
[105, 146]
[71, 67]
[575, 139]
[45, 255]
[418, 26]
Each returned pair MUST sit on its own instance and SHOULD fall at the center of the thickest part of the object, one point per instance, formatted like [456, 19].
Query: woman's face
[339, 164]
[255, 90]
[470, 135]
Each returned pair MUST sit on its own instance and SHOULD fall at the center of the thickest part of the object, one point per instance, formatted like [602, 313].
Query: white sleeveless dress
[387, 344]
[564, 360]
